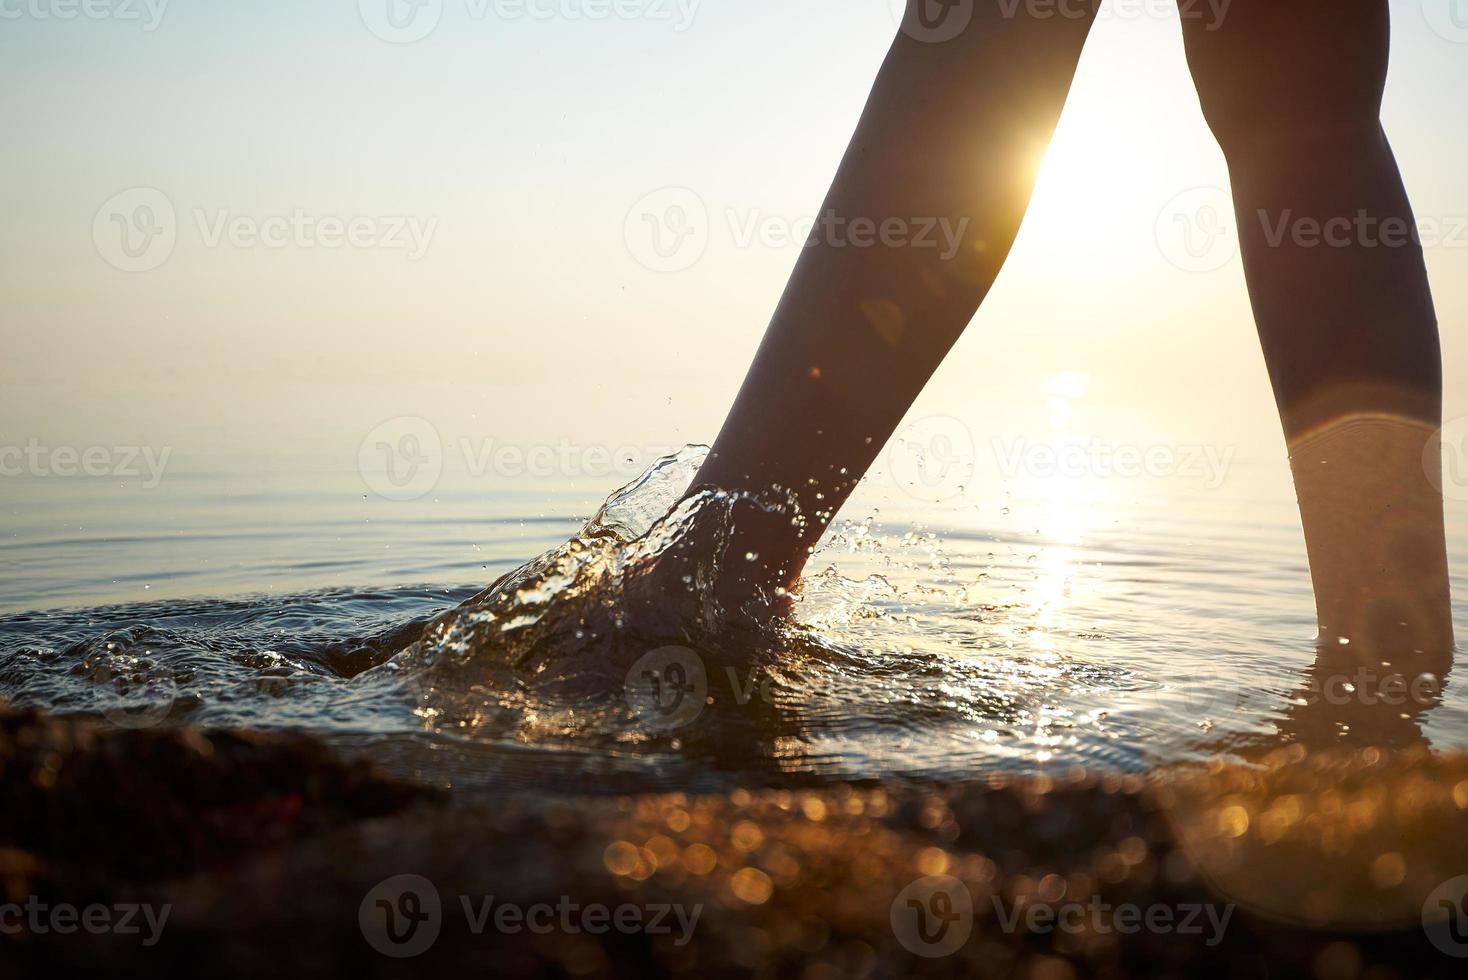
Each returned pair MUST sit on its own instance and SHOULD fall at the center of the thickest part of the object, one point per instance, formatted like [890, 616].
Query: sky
[359, 224]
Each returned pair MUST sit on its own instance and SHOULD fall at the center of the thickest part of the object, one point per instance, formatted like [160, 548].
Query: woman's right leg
[1292, 89]
[916, 226]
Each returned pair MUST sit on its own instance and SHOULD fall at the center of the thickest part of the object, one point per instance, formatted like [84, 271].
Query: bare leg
[1292, 89]
[944, 159]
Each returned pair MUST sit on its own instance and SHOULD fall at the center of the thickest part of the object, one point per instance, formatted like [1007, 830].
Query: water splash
[548, 649]
[573, 648]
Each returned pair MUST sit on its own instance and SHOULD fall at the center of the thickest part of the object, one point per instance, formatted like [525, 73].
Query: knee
[1288, 75]
[1290, 127]
[1287, 135]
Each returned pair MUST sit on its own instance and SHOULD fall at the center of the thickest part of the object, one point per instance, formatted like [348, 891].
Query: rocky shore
[239, 854]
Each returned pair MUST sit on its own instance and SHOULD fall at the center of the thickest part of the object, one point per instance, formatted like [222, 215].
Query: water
[1010, 625]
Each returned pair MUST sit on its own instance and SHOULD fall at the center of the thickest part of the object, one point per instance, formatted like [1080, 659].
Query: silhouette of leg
[1292, 89]
[922, 213]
